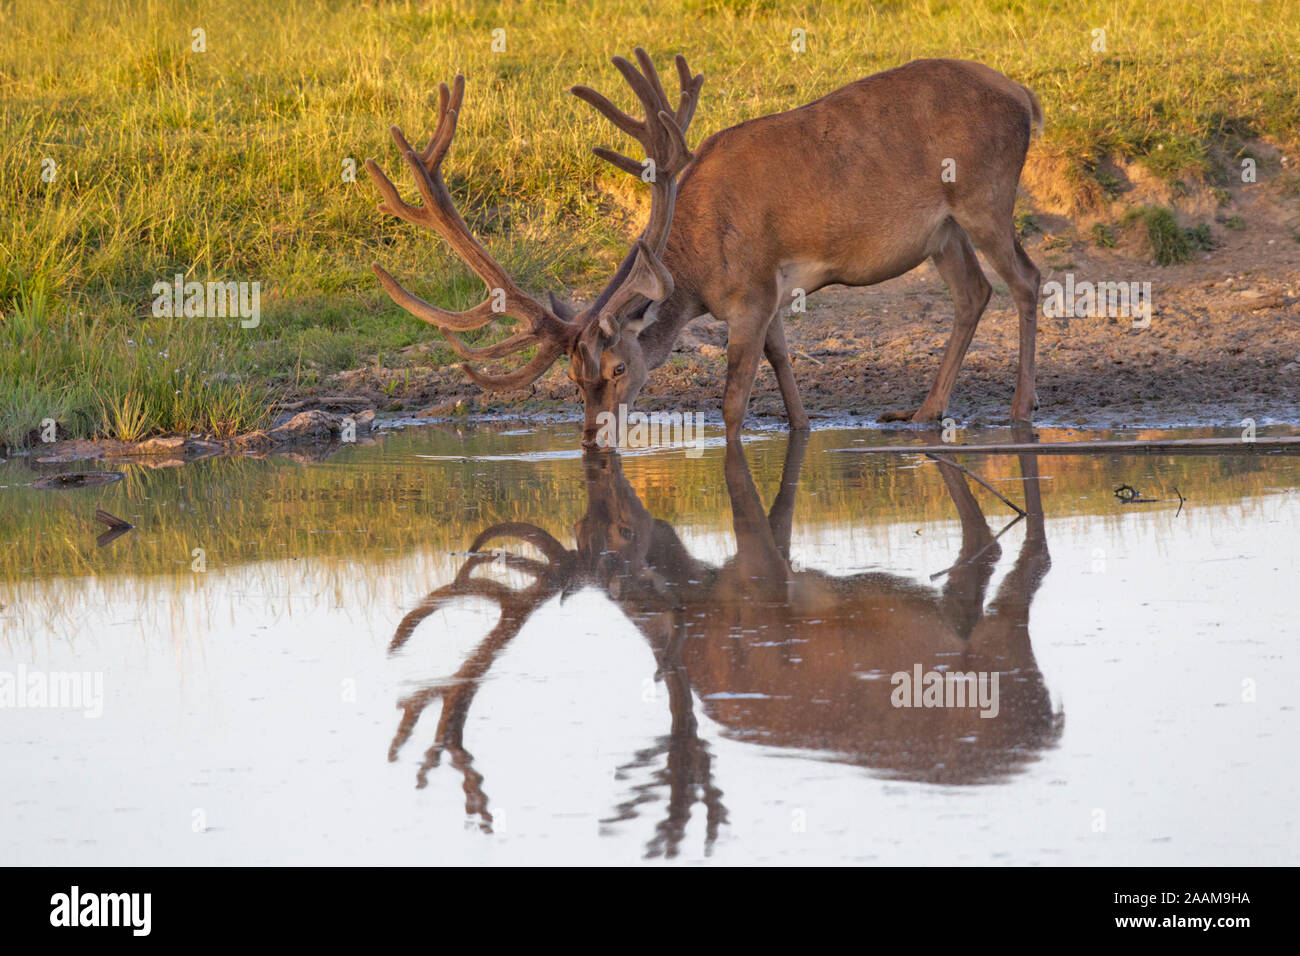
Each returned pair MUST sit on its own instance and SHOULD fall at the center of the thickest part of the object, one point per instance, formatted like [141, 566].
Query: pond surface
[480, 647]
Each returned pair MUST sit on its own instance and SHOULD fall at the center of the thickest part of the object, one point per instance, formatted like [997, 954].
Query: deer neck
[658, 339]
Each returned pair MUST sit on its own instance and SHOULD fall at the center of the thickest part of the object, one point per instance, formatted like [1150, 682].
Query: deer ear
[647, 277]
[635, 325]
[561, 308]
[588, 348]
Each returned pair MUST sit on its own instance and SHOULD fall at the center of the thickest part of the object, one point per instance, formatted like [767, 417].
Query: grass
[92, 375]
[1170, 244]
[232, 163]
[1103, 236]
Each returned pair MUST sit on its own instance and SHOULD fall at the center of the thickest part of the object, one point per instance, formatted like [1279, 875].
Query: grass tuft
[1170, 244]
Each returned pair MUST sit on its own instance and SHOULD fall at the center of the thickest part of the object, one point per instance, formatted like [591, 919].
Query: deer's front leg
[742, 366]
[749, 316]
[779, 358]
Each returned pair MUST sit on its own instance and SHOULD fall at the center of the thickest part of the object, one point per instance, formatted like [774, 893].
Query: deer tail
[1035, 112]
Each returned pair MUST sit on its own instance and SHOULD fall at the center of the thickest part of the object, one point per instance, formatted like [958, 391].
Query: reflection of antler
[688, 769]
[517, 605]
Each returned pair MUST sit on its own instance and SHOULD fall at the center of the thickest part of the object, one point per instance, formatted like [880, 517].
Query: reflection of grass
[229, 164]
[379, 528]
[372, 504]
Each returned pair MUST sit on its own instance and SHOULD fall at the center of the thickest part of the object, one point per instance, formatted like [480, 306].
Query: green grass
[228, 164]
[129, 378]
[1103, 236]
[1026, 223]
[1170, 244]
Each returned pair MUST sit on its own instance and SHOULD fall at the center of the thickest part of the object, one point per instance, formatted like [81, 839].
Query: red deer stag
[919, 162]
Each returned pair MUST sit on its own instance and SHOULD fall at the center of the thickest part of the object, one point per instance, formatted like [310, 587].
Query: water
[299, 662]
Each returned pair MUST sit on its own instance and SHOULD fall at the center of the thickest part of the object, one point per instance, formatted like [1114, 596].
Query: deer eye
[619, 369]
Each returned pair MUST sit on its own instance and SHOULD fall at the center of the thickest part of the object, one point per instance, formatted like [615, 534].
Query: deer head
[555, 329]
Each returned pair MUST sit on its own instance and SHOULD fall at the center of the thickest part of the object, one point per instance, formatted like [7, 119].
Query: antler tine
[663, 136]
[543, 360]
[690, 97]
[668, 163]
[448, 113]
[649, 90]
[650, 73]
[463, 586]
[516, 608]
[500, 350]
[438, 213]
[525, 531]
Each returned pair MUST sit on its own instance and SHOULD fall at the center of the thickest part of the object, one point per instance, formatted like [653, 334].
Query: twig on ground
[804, 355]
[1128, 495]
[116, 527]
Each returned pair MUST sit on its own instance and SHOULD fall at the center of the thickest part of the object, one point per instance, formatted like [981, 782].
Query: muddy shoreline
[1221, 348]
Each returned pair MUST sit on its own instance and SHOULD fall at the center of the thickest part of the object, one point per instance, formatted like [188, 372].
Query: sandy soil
[1223, 343]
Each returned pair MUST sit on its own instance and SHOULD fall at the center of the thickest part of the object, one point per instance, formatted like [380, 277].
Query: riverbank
[233, 157]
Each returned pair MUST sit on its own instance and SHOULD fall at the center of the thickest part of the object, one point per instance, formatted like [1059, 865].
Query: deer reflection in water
[788, 658]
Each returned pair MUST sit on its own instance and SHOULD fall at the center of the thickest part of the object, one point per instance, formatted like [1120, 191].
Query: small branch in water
[1009, 525]
[116, 527]
[1001, 497]
[1128, 495]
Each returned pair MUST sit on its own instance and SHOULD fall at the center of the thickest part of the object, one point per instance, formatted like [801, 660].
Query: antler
[516, 605]
[662, 134]
[552, 334]
[640, 276]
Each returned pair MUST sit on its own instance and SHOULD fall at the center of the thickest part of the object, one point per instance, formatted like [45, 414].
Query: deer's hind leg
[968, 579]
[995, 236]
[958, 265]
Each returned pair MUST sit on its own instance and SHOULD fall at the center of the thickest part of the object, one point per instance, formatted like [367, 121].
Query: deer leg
[742, 366]
[781, 516]
[996, 238]
[775, 349]
[747, 327]
[963, 593]
[764, 570]
[1002, 637]
[960, 269]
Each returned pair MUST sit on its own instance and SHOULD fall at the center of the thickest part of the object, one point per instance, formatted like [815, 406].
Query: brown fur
[848, 190]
